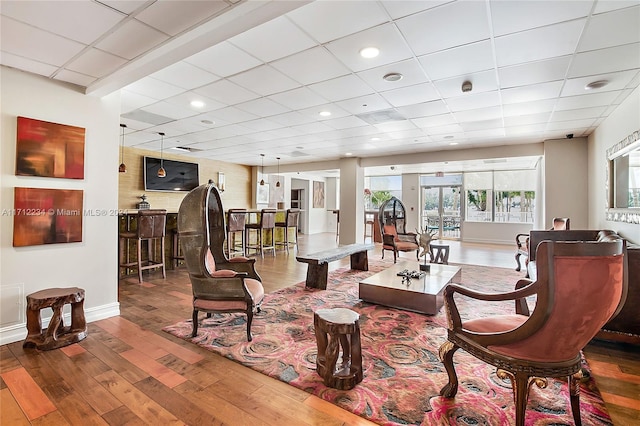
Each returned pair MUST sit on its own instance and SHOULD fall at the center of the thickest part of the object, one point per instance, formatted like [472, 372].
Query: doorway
[441, 211]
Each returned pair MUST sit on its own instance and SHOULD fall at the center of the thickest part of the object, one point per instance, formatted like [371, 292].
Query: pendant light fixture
[278, 182]
[122, 168]
[161, 171]
[262, 171]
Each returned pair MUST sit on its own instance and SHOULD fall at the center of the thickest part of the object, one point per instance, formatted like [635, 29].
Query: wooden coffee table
[423, 295]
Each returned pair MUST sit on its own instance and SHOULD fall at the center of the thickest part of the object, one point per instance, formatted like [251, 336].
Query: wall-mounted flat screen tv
[181, 176]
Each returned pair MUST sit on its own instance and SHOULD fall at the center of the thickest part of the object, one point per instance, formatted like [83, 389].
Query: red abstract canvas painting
[49, 149]
[46, 216]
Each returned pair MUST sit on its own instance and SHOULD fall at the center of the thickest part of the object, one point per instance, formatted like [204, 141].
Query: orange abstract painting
[46, 216]
[49, 149]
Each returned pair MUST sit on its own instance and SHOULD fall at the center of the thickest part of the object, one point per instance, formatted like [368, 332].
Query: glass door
[441, 211]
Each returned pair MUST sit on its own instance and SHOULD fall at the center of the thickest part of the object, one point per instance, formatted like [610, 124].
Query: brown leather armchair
[219, 284]
[522, 240]
[529, 347]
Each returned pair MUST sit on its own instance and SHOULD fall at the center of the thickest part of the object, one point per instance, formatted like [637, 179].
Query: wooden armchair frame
[498, 340]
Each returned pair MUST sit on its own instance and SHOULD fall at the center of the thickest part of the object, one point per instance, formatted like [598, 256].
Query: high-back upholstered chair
[219, 284]
[527, 348]
[151, 227]
[392, 220]
[290, 222]
[522, 240]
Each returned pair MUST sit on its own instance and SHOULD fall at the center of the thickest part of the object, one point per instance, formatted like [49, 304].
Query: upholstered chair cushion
[255, 289]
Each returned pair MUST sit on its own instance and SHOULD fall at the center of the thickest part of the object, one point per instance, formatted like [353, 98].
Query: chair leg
[139, 260]
[249, 321]
[164, 270]
[518, 262]
[521, 394]
[446, 351]
[286, 238]
[194, 333]
[574, 396]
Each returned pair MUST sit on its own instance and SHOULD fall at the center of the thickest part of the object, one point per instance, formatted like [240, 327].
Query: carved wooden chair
[529, 347]
[522, 240]
[392, 220]
[219, 284]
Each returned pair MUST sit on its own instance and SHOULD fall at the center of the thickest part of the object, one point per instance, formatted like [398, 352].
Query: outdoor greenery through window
[500, 196]
[379, 189]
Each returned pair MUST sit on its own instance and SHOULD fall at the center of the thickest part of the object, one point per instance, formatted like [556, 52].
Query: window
[501, 196]
[379, 189]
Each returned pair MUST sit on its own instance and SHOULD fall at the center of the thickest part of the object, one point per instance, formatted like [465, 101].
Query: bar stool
[267, 223]
[368, 221]
[176, 252]
[151, 226]
[236, 221]
[290, 221]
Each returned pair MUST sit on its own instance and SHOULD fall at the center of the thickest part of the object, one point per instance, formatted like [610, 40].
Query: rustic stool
[335, 329]
[56, 334]
[439, 253]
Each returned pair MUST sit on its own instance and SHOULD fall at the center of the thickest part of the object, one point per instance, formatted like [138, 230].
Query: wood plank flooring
[128, 371]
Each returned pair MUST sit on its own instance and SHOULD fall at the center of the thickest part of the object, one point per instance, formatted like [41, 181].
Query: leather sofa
[625, 327]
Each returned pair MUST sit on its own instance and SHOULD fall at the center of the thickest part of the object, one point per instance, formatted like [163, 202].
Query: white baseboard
[18, 332]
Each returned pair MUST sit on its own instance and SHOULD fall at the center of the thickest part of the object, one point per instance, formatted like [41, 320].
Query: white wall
[565, 181]
[90, 264]
[622, 122]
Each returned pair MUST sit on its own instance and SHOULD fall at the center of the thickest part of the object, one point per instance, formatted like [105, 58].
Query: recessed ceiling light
[369, 52]
[375, 139]
[596, 84]
[325, 113]
[209, 122]
[393, 76]
[348, 154]
[197, 104]
[453, 143]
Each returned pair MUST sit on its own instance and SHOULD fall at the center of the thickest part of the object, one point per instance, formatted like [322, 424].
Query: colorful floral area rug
[402, 373]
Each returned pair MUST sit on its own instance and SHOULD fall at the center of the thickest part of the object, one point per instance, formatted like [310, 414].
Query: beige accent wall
[237, 192]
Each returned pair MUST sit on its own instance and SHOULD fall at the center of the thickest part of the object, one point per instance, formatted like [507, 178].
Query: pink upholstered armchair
[580, 286]
[392, 219]
[219, 284]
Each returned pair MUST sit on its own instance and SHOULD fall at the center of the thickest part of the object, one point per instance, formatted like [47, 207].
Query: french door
[441, 211]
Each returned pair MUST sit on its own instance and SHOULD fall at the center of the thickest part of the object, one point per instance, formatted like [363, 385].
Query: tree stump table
[337, 329]
[56, 335]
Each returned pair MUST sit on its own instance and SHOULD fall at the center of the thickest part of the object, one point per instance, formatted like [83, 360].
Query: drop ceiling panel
[26, 64]
[522, 120]
[74, 77]
[264, 80]
[410, 70]
[132, 39]
[153, 88]
[537, 44]
[606, 60]
[481, 114]
[311, 66]
[363, 104]
[424, 109]
[30, 42]
[578, 114]
[96, 63]
[533, 92]
[459, 60]
[525, 108]
[299, 98]
[385, 37]
[226, 92]
[185, 75]
[617, 81]
[474, 101]
[169, 110]
[184, 100]
[399, 9]
[411, 95]
[273, 40]
[482, 82]
[262, 107]
[327, 21]
[173, 17]
[611, 29]
[445, 21]
[337, 89]
[223, 59]
[534, 72]
[513, 16]
[434, 121]
[81, 21]
[586, 101]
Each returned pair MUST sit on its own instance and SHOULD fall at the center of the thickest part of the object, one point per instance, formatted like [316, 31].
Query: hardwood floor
[128, 371]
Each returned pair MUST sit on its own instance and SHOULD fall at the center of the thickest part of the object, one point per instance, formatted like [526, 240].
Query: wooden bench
[318, 269]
